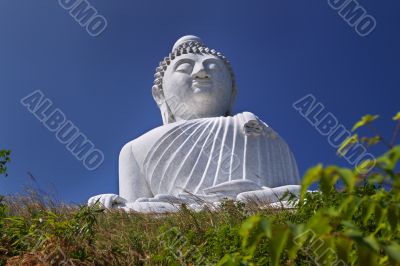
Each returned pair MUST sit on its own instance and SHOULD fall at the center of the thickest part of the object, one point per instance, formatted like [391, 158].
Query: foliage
[365, 120]
[4, 159]
[353, 219]
[397, 117]
[356, 225]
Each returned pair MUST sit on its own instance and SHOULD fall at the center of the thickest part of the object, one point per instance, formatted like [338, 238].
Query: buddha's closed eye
[184, 68]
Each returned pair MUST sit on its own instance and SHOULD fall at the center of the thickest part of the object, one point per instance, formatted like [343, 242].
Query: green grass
[356, 226]
[353, 220]
[32, 231]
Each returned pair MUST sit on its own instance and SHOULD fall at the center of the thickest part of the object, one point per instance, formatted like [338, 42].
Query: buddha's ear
[158, 94]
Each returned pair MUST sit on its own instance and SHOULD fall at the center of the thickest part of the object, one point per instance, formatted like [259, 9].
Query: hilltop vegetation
[352, 220]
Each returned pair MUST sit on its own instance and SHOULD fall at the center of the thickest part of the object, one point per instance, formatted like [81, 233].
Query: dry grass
[38, 231]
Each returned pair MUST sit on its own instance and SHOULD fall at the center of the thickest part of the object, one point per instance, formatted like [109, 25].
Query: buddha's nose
[199, 72]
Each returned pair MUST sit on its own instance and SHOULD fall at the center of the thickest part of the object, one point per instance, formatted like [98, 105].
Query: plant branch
[390, 146]
[395, 134]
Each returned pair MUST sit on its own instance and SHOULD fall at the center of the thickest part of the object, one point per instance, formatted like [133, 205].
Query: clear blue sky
[280, 51]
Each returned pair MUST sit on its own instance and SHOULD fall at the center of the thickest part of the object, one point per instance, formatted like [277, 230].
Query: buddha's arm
[132, 184]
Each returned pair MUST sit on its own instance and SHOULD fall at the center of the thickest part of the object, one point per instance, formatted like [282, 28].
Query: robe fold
[191, 156]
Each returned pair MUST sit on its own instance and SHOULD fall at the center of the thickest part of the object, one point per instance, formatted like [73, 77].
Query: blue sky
[280, 50]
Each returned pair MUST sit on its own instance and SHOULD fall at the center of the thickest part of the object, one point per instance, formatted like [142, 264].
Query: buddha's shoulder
[154, 134]
[144, 143]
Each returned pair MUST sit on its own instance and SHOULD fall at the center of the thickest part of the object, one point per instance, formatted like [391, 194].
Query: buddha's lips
[199, 84]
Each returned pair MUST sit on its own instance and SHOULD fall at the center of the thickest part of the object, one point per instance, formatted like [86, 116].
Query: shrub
[352, 219]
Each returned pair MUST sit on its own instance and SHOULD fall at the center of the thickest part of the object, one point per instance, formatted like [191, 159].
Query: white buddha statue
[201, 153]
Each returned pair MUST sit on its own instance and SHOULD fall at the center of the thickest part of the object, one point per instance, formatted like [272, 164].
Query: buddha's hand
[108, 201]
[270, 195]
[231, 189]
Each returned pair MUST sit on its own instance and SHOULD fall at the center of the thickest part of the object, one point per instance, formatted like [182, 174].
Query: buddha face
[197, 86]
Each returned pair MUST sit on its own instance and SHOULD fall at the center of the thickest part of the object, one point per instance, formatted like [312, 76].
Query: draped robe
[196, 155]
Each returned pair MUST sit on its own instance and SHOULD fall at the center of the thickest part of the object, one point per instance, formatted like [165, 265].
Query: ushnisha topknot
[185, 45]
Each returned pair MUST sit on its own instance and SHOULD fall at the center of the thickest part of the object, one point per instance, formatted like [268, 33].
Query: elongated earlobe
[158, 94]
[166, 114]
[159, 97]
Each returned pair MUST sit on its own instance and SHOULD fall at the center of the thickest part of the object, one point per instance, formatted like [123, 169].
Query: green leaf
[366, 257]
[393, 251]
[389, 160]
[347, 207]
[346, 144]
[371, 141]
[4, 159]
[393, 217]
[376, 179]
[349, 225]
[365, 166]
[5, 153]
[371, 242]
[253, 230]
[230, 260]
[319, 224]
[348, 178]
[343, 248]
[367, 209]
[298, 236]
[366, 119]
[397, 116]
[324, 251]
[311, 176]
[278, 243]
[328, 179]
[355, 235]
[379, 214]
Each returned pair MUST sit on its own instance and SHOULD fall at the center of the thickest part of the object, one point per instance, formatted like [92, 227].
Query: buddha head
[193, 81]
